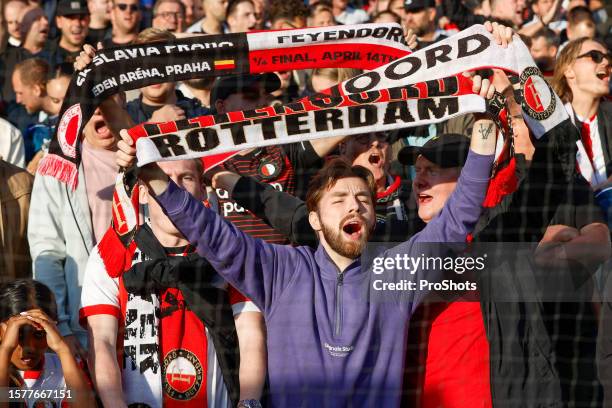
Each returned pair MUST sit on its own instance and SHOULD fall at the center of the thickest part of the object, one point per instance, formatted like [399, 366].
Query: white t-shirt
[50, 381]
[352, 16]
[139, 322]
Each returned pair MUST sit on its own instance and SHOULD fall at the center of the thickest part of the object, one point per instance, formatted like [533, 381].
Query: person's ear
[569, 73]
[553, 51]
[314, 220]
[39, 91]
[143, 195]
[219, 106]
[432, 14]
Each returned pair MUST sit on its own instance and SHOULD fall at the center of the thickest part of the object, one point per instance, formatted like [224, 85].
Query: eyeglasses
[133, 7]
[597, 56]
[167, 15]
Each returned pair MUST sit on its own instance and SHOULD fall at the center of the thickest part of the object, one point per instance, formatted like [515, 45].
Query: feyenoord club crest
[538, 97]
[268, 170]
[68, 130]
[182, 375]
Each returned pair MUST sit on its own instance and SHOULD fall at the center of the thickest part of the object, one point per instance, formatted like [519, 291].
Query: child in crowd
[27, 329]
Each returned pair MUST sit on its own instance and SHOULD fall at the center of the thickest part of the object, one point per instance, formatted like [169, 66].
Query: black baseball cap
[229, 85]
[72, 8]
[448, 150]
[416, 5]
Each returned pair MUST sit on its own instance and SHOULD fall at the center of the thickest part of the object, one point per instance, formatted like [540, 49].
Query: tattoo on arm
[485, 130]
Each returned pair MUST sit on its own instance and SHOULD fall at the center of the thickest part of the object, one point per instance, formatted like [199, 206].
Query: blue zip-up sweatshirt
[327, 345]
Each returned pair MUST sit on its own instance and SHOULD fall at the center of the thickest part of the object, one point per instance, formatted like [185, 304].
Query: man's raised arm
[256, 268]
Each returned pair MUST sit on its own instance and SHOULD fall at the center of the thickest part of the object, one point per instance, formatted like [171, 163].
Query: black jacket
[542, 352]
[604, 120]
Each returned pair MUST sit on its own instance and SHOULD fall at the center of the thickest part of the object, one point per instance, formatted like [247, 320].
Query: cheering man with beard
[342, 350]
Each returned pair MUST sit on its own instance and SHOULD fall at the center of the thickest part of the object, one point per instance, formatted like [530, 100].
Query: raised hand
[86, 56]
[483, 87]
[501, 33]
[126, 151]
[168, 113]
[11, 328]
[55, 341]
[410, 37]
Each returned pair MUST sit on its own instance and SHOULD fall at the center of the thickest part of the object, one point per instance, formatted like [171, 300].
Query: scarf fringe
[59, 168]
[116, 257]
[504, 183]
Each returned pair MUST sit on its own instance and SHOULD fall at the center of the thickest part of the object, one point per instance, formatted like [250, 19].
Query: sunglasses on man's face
[133, 7]
[597, 56]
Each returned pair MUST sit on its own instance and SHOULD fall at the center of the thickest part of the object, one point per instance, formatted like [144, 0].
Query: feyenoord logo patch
[182, 375]
[268, 170]
[538, 97]
[68, 130]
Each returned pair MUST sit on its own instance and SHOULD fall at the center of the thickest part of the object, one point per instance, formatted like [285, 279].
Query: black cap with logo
[449, 150]
[72, 8]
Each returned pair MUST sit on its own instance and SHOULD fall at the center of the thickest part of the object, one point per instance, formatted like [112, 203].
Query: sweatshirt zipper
[338, 314]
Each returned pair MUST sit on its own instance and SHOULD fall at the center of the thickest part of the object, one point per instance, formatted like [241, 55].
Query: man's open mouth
[603, 75]
[353, 228]
[424, 198]
[101, 128]
[375, 158]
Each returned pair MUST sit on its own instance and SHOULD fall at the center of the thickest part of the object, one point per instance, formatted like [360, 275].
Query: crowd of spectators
[111, 335]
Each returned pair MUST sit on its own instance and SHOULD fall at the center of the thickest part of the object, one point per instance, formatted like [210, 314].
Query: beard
[545, 64]
[346, 248]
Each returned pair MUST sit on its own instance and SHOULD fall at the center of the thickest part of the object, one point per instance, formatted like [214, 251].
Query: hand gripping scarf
[130, 67]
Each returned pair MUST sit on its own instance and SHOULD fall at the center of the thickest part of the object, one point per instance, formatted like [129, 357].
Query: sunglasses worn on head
[597, 56]
[133, 7]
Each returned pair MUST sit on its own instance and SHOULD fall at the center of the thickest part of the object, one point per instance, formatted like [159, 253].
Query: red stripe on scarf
[391, 189]
[368, 56]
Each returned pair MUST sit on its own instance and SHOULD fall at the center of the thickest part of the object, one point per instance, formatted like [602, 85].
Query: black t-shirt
[287, 168]
[96, 35]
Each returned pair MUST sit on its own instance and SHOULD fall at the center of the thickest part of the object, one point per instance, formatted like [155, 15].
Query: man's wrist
[249, 403]
[64, 349]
